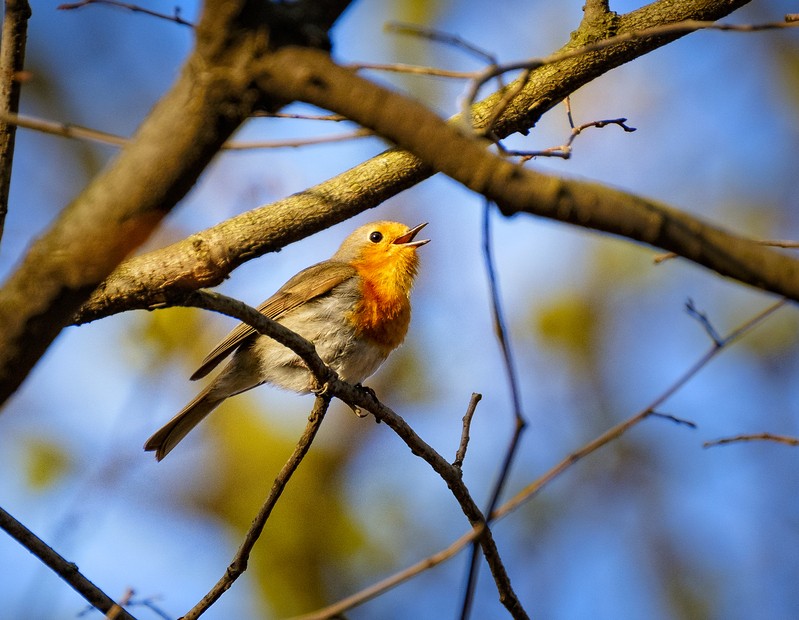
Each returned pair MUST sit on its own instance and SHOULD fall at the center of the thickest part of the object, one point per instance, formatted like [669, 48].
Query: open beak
[407, 238]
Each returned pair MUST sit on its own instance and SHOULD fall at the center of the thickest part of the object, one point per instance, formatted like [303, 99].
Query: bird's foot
[357, 411]
[320, 391]
[366, 390]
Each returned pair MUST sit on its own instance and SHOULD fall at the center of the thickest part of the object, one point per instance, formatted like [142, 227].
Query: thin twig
[507, 98]
[567, 103]
[359, 598]
[440, 36]
[531, 490]
[790, 441]
[459, 43]
[265, 326]
[398, 67]
[501, 334]
[460, 455]
[480, 77]
[69, 130]
[673, 418]
[677, 28]
[66, 130]
[780, 243]
[336, 118]
[775, 243]
[564, 151]
[130, 7]
[297, 142]
[703, 320]
[617, 431]
[452, 477]
[67, 571]
[240, 560]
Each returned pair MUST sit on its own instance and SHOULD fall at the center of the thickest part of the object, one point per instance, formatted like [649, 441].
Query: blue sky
[650, 523]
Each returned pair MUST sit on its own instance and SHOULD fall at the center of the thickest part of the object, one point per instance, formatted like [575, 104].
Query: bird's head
[384, 253]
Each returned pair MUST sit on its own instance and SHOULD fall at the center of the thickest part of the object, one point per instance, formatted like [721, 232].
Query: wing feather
[308, 284]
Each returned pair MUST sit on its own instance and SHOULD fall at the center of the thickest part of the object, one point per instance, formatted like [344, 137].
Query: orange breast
[384, 310]
[382, 315]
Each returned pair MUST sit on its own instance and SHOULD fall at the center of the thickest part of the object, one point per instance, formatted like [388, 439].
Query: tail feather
[168, 436]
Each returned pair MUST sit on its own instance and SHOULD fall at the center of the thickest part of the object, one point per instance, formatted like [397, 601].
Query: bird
[354, 308]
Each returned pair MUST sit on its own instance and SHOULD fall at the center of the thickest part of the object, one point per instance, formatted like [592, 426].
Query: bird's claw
[357, 411]
[366, 390]
[321, 391]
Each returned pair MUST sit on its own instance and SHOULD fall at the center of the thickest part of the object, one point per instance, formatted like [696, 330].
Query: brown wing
[308, 284]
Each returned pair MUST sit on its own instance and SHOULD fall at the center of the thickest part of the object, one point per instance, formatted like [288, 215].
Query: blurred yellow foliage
[570, 323]
[310, 533]
[787, 57]
[172, 331]
[775, 337]
[46, 462]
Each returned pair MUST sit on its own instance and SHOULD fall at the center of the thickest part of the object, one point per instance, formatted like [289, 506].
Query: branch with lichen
[206, 258]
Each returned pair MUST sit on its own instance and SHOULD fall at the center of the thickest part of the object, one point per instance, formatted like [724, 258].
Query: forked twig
[564, 151]
[532, 489]
[789, 441]
[674, 29]
[334, 387]
[457, 42]
[359, 598]
[507, 98]
[617, 431]
[703, 320]
[441, 36]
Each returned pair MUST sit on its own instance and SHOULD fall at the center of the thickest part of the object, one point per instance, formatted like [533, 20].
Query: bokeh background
[652, 526]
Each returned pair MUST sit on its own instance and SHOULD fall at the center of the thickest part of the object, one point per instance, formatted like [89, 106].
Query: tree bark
[118, 210]
[206, 258]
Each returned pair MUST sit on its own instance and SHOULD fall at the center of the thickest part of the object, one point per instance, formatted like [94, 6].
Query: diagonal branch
[533, 488]
[503, 338]
[239, 563]
[206, 258]
[122, 206]
[310, 76]
[12, 60]
[362, 399]
[61, 567]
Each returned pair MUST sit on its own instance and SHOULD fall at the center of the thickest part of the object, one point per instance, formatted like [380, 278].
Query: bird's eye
[376, 236]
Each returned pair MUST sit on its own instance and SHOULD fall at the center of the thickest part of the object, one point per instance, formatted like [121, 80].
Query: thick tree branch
[310, 76]
[121, 207]
[206, 258]
[12, 60]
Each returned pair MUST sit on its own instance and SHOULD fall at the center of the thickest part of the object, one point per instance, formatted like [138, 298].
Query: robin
[355, 309]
